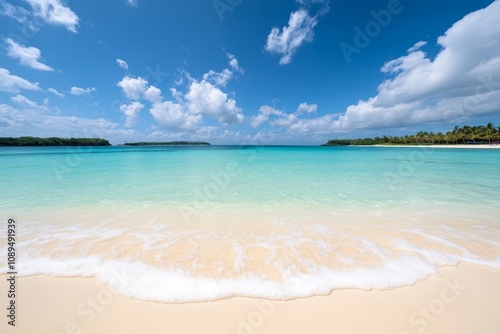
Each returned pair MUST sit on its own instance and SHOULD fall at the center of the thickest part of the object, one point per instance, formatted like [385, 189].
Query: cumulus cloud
[81, 91]
[305, 108]
[55, 92]
[27, 55]
[187, 109]
[123, 64]
[133, 88]
[279, 118]
[12, 83]
[299, 30]
[171, 115]
[462, 81]
[131, 111]
[55, 13]
[222, 78]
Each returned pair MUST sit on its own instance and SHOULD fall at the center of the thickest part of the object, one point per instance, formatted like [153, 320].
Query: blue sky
[246, 72]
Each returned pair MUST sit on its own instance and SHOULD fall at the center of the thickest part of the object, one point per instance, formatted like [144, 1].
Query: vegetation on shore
[53, 141]
[171, 143]
[459, 135]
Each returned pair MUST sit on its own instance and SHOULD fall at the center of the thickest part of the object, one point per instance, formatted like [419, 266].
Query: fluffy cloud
[461, 81]
[307, 108]
[263, 116]
[12, 83]
[133, 88]
[81, 91]
[123, 64]
[280, 118]
[171, 115]
[186, 111]
[54, 12]
[222, 78]
[153, 94]
[203, 98]
[300, 29]
[131, 111]
[27, 55]
[28, 104]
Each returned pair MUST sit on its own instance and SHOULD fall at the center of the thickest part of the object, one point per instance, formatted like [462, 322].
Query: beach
[464, 299]
[479, 146]
[227, 240]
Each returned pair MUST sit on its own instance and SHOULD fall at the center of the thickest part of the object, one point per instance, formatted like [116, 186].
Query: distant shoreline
[471, 146]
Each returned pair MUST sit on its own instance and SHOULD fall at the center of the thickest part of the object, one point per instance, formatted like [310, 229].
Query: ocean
[187, 224]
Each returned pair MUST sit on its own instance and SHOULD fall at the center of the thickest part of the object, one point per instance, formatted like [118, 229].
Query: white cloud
[171, 115]
[132, 3]
[463, 80]
[54, 12]
[203, 98]
[281, 118]
[131, 111]
[133, 88]
[27, 55]
[18, 13]
[300, 29]
[307, 108]
[29, 104]
[417, 46]
[263, 116]
[12, 83]
[153, 94]
[123, 64]
[55, 92]
[35, 122]
[81, 91]
[222, 78]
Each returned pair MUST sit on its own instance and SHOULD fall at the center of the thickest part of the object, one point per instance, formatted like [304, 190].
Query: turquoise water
[339, 177]
[233, 220]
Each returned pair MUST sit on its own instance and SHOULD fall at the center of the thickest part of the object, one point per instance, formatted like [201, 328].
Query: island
[170, 143]
[53, 141]
[465, 135]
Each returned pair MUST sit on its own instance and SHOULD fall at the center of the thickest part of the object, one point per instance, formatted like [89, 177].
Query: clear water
[201, 223]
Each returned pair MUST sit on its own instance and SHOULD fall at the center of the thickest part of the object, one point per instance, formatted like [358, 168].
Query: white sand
[446, 146]
[464, 300]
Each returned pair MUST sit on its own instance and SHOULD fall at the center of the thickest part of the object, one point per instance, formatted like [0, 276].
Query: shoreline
[444, 303]
[479, 146]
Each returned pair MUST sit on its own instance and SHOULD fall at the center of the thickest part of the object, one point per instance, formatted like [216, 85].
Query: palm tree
[490, 132]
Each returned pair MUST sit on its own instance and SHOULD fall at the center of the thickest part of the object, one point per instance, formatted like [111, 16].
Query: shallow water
[177, 224]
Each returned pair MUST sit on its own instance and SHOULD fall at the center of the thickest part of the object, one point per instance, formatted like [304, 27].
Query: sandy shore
[465, 299]
[445, 146]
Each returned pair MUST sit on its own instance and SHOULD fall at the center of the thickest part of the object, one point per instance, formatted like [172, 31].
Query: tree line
[53, 141]
[466, 134]
[170, 143]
